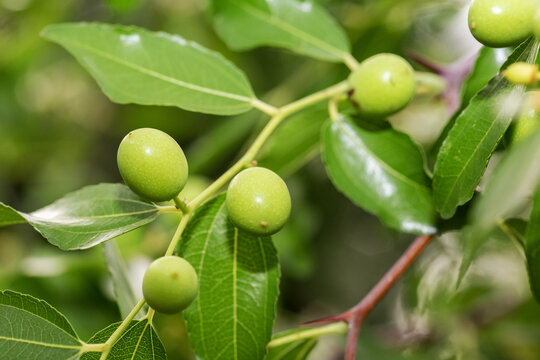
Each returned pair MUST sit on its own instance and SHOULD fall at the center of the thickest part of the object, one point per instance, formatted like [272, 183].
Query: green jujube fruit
[152, 164]
[382, 85]
[170, 284]
[258, 201]
[501, 23]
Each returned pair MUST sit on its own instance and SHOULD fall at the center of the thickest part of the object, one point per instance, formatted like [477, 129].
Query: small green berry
[501, 23]
[529, 117]
[522, 73]
[170, 284]
[258, 201]
[152, 164]
[382, 84]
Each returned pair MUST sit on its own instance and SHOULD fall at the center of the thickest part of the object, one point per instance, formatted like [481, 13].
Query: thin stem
[92, 348]
[264, 107]
[511, 234]
[150, 315]
[333, 109]
[350, 61]
[178, 234]
[181, 204]
[168, 209]
[118, 332]
[334, 328]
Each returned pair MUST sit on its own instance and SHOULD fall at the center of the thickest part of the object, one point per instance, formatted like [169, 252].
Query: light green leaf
[300, 26]
[125, 297]
[465, 153]
[32, 329]
[233, 314]
[87, 217]
[532, 247]
[133, 65]
[296, 350]
[512, 183]
[382, 171]
[294, 142]
[138, 342]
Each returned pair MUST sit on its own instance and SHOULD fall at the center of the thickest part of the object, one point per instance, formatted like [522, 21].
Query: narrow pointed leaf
[233, 314]
[381, 171]
[133, 65]
[125, 297]
[32, 329]
[138, 342]
[465, 153]
[532, 247]
[300, 26]
[87, 217]
[513, 182]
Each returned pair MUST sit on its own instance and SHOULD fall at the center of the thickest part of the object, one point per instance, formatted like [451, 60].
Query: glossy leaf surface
[138, 342]
[233, 314]
[87, 217]
[382, 171]
[465, 153]
[133, 65]
[300, 26]
[32, 329]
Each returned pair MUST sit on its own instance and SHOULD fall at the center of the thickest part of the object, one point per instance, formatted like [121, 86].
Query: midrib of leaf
[383, 163]
[235, 301]
[40, 343]
[291, 29]
[200, 271]
[59, 219]
[139, 342]
[161, 76]
[42, 318]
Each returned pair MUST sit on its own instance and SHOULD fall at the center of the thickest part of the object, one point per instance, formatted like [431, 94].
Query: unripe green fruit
[152, 164]
[382, 84]
[522, 73]
[501, 23]
[258, 201]
[529, 118]
[170, 284]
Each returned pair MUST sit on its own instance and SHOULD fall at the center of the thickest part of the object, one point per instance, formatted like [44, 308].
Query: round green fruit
[529, 117]
[501, 23]
[382, 85]
[170, 284]
[152, 164]
[258, 201]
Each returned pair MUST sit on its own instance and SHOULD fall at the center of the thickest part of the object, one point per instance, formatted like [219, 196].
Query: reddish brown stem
[356, 315]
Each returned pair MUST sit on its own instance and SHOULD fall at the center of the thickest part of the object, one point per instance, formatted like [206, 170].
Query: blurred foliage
[58, 133]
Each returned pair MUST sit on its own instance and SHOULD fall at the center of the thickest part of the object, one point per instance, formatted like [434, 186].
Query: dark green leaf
[233, 315]
[139, 342]
[32, 329]
[381, 171]
[295, 141]
[133, 65]
[464, 155]
[125, 297]
[300, 26]
[87, 217]
[513, 182]
[296, 350]
[532, 247]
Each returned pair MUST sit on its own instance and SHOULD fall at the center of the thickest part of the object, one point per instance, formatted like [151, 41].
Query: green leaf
[87, 217]
[133, 65]
[512, 183]
[233, 315]
[125, 297]
[138, 342]
[532, 247]
[32, 329]
[381, 171]
[300, 26]
[464, 155]
[296, 350]
[294, 142]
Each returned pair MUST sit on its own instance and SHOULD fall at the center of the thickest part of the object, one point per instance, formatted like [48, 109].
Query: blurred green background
[58, 133]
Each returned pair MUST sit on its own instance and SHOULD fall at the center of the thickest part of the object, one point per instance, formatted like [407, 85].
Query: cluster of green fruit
[154, 166]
